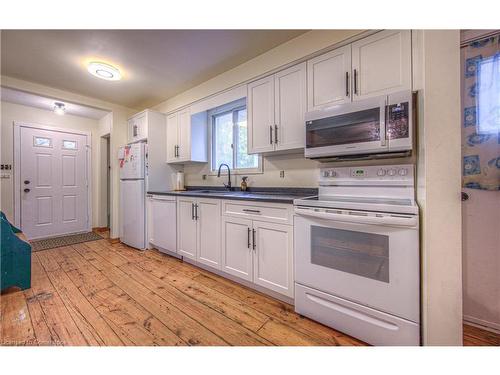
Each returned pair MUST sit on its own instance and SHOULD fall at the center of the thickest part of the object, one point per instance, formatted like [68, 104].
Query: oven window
[357, 127]
[358, 253]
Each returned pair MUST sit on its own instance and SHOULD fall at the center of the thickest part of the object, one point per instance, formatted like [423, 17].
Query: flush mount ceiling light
[104, 71]
[59, 108]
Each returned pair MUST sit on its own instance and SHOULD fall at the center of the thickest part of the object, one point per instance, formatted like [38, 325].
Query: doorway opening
[104, 187]
[480, 86]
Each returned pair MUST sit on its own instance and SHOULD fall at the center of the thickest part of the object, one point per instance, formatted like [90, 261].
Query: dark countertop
[273, 194]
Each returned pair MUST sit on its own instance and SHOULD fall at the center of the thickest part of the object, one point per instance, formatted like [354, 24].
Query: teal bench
[15, 257]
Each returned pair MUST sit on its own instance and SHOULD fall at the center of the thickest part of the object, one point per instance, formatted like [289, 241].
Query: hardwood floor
[97, 293]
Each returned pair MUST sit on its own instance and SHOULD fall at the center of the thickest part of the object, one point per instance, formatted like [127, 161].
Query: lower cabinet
[199, 232]
[260, 252]
[163, 223]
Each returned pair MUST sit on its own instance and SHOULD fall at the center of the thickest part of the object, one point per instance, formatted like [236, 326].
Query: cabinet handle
[253, 211]
[270, 134]
[248, 238]
[192, 211]
[253, 239]
[347, 84]
[276, 134]
[355, 82]
[135, 130]
[196, 217]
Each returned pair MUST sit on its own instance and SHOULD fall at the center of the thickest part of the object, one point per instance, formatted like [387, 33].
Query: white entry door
[53, 183]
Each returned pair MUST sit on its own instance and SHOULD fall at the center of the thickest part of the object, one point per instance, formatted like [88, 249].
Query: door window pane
[69, 145]
[358, 253]
[223, 140]
[42, 142]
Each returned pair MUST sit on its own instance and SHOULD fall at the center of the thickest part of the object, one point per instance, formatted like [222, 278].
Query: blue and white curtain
[481, 114]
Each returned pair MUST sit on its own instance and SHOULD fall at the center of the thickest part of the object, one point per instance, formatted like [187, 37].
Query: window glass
[69, 145]
[42, 142]
[223, 139]
[243, 160]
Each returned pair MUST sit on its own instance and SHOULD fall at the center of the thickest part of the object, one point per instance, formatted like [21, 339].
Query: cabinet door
[172, 137]
[290, 107]
[237, 247]
[130, 130]
[142, 127]
[163, 223]
[328, 79]
[273, 261]
[209, 232]
[260, 110]
[382, 63]
[184, 150]
[186, 228]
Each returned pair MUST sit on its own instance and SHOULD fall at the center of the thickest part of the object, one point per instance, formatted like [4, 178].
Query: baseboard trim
[114, 240]
[483, 324]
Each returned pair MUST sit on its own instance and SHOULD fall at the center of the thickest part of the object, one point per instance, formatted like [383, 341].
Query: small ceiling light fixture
[59, 108]
[104, 71]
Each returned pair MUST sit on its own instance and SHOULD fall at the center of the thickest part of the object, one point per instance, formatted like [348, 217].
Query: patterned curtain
[481, 114]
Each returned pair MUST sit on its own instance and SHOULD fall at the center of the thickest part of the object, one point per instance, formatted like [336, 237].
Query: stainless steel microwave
[381, 126]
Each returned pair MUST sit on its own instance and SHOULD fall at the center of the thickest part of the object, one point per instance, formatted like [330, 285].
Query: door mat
[50, 243]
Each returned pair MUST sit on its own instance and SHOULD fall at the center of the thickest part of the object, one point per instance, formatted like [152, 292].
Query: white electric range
[357, 262]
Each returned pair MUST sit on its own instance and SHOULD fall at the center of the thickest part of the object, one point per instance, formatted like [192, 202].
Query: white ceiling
[156, 64]
[32, 100]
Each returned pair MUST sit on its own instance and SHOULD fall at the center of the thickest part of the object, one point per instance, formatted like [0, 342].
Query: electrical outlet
[282, 174]
[204, 177]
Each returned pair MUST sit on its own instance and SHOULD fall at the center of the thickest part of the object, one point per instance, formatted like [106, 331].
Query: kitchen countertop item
[272, 194]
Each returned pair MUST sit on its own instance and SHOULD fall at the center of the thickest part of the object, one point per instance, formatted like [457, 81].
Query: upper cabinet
[137, 129]
[276, 105]
[377, 65]
[187, 137]
[328, 79]
[381, 63]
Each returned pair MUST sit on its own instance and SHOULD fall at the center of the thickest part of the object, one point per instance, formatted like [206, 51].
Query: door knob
[26, 182]
[26, 190]
[465, 196]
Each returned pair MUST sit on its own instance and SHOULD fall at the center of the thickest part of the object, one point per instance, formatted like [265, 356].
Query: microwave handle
[383, 134]
[385, 220]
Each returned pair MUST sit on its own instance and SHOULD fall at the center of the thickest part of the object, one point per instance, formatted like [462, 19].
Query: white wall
[104, 129]
[481, 257]
[16, 112]
[439, 179]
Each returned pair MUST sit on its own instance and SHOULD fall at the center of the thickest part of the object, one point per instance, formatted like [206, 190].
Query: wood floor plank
[281, 334]
[127, 318]
[16, 327]
[233, 333]
[474, 336]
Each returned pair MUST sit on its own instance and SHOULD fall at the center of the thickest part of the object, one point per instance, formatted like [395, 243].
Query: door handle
[465, 196]
[276, 134]
[27, 190]
[347, 84]
[253, 239]
[248, 238]
[270, 134]
[355, 82]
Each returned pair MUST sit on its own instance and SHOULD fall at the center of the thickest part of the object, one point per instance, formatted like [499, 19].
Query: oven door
[368, 258]
[353, 128]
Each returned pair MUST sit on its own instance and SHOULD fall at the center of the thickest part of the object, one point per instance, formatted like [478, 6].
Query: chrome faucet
[228, 185]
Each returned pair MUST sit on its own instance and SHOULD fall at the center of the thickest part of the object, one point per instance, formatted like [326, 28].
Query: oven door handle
[395, 221]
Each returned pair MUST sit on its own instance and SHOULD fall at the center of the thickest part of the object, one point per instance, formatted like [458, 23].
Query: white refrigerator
[133, 177]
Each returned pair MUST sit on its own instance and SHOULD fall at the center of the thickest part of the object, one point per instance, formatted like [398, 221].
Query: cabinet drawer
[274, 212]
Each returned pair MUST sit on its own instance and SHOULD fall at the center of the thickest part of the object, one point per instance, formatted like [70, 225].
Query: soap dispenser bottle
[244, 185]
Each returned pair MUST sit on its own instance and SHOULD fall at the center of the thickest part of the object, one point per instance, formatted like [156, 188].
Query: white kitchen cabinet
[186, 227]
[329, 79]
[187, 137]
[276, 105]
[209, 232]
[237, 252]
[260, 112]
[273, 257]
[138, 126]
[163, 223]
[199, 230]
[381, 64]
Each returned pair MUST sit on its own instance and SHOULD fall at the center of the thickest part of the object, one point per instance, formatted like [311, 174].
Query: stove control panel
[368, 174]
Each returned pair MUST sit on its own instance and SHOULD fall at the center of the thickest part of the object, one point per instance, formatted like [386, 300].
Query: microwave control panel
[398, 121]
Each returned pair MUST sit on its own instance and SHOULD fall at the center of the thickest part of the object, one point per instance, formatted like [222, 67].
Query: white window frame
[227, 108]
